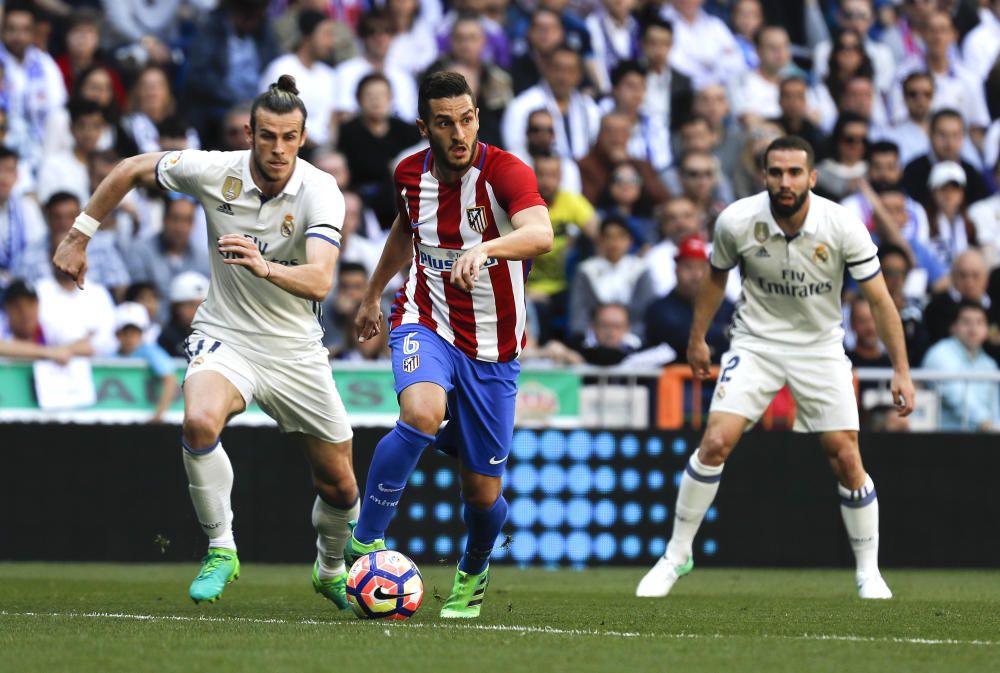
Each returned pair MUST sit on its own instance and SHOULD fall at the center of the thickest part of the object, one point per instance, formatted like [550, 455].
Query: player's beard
[782, 210]
[262, 168]
[443, 156]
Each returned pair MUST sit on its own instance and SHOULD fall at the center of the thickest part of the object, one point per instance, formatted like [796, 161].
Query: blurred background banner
[578, 498]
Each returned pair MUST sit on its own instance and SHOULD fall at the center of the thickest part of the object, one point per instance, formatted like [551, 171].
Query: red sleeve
[405, 180]
[513, 183]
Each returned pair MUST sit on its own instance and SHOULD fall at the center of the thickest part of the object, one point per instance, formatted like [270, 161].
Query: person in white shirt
[33, 84]
[755, 92]
[985, 215]
[793, 248]
[981, 45]
[576, 116]
[275, 222]
[308, 66]
[704, 47]
[22, 226]
[650, 138]
[67, 171]
[614, 37]
[376, 38]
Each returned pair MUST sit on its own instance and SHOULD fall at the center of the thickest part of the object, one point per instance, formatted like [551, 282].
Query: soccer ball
[384, 584]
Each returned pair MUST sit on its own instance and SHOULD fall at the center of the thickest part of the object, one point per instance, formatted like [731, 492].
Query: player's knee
[201, 428]
[425, 417]
[483, 497]
[340, 492]
[715, 447]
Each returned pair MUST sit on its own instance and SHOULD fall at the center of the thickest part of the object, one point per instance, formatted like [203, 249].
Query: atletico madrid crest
[477, 218]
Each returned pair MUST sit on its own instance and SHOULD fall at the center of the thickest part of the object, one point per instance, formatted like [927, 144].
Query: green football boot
[354, 550]
[466, 596]
[218, 568]
[334, 588]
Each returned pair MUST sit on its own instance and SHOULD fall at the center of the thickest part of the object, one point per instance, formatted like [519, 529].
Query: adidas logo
[762, 252]
[225, 208]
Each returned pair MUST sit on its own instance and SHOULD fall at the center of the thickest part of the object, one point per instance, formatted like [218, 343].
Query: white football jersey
[243, 310]
[791, 285]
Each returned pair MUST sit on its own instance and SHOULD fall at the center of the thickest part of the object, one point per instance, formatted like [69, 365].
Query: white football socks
[331, 535]
[210, 482]
[695, 495]
[859, 508]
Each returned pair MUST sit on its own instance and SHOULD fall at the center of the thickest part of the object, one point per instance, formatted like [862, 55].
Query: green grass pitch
[136, 618]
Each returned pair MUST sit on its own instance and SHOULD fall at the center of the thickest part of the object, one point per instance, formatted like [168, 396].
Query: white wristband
[85, 224]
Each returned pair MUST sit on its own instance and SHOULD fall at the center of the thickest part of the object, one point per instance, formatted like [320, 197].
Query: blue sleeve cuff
[325, 238]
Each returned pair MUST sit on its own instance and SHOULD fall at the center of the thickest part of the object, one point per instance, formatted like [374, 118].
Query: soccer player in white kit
[792, 248]
[276, 222]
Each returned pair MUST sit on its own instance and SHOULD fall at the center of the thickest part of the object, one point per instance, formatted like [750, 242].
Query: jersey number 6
[410, 344]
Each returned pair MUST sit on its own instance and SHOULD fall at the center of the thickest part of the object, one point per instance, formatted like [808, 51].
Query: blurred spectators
[144, 293]
[868, 351]
[497, 49]
[969, 279]
[966, 405]
[187, 291]
[316, 81]
[755, 92]
[545, 34]
[131, 323]
[950, 229]
[985, 216]
[235, 128]
[541, 141]
[161, 258]
[614, 37]
[699, 178]
[704, 47]
[21, 224]
[625, 198]
[711, 103]
[575, 114]
[669, 91]
[67, 171]
[858, 16]
[896, 266]
[668, 319]
[338, 313]
[21, 334]
[649, 138]
[83, 53]
[611, 150]
[837, 176]
[947, 133]
[746, 19]
[609, 338]
[612, 276]
[414, 46]
[152, 105]
[847, 61]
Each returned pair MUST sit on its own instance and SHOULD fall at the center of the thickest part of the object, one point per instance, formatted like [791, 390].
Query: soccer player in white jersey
[469, 216]
[275, 221]
[792, 248]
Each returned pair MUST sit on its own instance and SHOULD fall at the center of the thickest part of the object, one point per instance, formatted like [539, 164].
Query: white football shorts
[822, 385]
[299, 393]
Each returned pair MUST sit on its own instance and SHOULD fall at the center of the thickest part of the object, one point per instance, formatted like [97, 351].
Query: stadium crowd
[642, 121]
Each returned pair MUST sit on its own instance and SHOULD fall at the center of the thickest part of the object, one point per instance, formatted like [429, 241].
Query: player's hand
[465, 272]
[241, 251]
[700, 359]
[71, 256]
[903, 393]
[368, 321]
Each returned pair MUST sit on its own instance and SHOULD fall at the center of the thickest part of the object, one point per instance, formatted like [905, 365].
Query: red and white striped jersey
[446, 219]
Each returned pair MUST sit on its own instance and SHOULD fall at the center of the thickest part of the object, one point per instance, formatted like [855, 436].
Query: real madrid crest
[476, 218]
[760, 231]
[287, 225]
[820, 254]
[231, 188]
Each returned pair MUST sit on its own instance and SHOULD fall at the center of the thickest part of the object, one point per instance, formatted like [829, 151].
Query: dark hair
[919, 74]
[133, 291]
[793, 78]
[839, 127]
[113, 111]
[883, 147]
[624, 68]
[369, 22]
[84, 17]
[441, 84]
[8, 153]
[835, 80]
[759, 33]
[945, 113]
[172, 126]
[790, 142]
[81, 107]
[368, 79]
[930, 206]
[20, 6]
[614, 220]
[281, 97]
[887, 249]
[19, 289]
[655, 21]
[969, 305]
[889, 188]
[61, 197]
[351, 267]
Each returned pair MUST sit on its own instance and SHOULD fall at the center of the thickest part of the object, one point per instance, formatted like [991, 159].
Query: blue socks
[484, 525]
[395, 457]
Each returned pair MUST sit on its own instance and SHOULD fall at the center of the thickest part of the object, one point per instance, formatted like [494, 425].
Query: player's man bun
[281, 97]
[286, 83]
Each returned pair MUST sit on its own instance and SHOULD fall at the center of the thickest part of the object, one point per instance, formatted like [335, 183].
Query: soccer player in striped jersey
[275, 221]
[471, 219]
[793, 249]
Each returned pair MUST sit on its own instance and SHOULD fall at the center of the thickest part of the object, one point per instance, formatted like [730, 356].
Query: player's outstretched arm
[140, 170]
[706, 304]
[532, 236]
[890, 331]
[397, 251]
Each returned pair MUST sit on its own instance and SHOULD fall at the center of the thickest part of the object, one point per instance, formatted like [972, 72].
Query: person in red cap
[668, 319]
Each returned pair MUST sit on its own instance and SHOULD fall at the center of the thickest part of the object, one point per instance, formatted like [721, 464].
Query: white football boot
[661, 578]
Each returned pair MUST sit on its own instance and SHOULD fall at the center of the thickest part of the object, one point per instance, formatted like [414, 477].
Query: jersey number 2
[724, 374]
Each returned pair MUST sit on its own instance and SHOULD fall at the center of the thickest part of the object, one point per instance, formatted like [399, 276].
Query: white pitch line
[550, 630]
